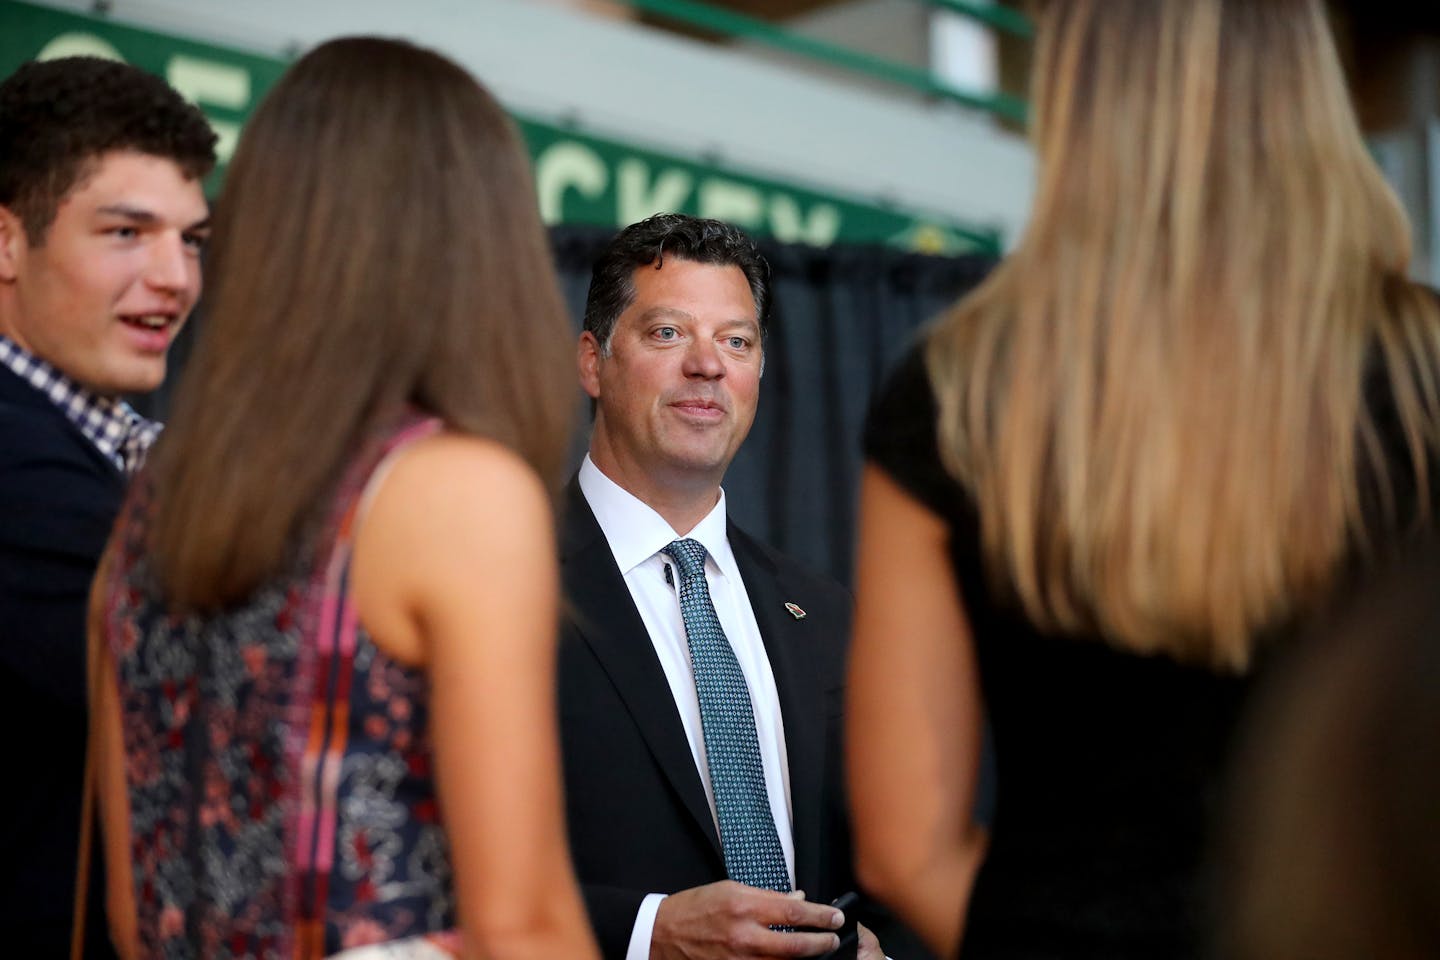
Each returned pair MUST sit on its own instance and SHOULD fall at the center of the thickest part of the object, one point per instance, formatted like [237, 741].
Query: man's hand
[726, 920]
[869, 948]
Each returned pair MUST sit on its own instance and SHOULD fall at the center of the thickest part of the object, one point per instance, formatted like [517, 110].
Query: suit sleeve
[838, 812]
[612, 914]
[56, 511]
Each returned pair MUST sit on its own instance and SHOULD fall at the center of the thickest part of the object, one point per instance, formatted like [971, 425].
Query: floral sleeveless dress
[282, 803]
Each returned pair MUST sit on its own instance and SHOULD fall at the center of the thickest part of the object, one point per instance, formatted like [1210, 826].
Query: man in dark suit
[101, 220]
[700, 671]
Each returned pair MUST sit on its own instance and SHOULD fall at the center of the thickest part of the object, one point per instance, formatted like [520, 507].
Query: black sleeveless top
[1108, 764]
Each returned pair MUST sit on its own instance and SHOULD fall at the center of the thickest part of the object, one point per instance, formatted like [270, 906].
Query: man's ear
[13, 244]
[587, 358]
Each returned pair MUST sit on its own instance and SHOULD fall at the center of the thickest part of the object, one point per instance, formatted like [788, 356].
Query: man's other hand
[869, 948]
[726, 920]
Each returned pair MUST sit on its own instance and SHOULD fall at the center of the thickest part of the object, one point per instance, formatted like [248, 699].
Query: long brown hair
[1156, 400]
[377, 245]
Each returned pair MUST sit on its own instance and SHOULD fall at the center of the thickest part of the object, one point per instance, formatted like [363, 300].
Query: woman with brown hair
[1199, 392]
[324, 632]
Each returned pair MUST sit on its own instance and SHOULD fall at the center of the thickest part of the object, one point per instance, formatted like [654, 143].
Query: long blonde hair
[1157, 399]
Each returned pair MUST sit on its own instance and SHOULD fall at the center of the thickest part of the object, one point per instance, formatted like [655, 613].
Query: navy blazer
[58, 500]
[638, 818]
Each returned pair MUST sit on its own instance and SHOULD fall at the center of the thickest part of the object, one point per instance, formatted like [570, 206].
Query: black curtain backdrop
[841, 317]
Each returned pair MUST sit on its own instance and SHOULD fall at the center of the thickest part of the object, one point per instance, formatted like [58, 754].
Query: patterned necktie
[752, 849]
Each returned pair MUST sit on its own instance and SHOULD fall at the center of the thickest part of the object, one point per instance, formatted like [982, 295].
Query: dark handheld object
[849, 935]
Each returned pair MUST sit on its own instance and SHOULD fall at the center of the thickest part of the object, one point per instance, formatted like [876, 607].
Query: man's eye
[123, 233]
[667, 333]
[738, 343]
[195, 241]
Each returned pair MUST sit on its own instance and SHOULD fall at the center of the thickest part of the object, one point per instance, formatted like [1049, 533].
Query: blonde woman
[1199, 392]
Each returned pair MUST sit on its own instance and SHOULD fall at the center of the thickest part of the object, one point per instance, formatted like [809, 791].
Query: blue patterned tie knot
[689, 556]
[753, 854]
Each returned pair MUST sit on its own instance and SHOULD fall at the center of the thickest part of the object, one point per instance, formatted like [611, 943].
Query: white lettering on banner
[78, 45]
[642, 189]
[819, 229]
[205, 81]
[731, 201]
[636, 198]
[563, 166]
[218, 84]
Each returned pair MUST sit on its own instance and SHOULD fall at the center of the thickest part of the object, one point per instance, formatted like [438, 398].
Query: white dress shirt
[637, 534]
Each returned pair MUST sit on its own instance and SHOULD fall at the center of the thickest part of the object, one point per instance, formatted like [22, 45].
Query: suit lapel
[801, 704]
[605, 616]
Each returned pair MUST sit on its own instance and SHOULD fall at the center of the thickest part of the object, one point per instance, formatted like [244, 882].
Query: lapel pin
[795, 611]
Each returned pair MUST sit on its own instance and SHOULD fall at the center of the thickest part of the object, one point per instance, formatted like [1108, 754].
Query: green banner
[579, 178]
[585, 179]
[225, 84]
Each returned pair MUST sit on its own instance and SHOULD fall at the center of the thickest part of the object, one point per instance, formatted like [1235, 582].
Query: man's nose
[702, 359]
[171, 264]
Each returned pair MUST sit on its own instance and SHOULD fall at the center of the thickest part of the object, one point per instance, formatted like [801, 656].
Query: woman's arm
[913, 718]
[107, 750]
[455, 570]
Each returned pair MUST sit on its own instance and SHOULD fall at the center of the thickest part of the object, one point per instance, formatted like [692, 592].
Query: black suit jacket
[58, 499]
[638, 818]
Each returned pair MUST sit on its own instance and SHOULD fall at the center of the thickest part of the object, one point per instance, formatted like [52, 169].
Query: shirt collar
[120, 434]
[636, 532]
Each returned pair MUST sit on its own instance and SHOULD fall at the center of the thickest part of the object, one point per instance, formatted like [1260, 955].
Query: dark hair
[58, 116]
[612, 282]
[377, 246]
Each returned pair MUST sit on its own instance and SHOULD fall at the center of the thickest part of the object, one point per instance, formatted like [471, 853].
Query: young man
[102, 220]
[700, 672]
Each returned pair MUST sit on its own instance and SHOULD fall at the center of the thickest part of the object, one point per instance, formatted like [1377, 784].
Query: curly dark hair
[58, 116]
[612, 282]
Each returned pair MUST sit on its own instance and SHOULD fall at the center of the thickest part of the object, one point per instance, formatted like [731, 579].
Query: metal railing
[706, 16]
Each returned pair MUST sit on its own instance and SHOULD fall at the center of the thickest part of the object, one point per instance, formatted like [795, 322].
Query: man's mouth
[698, 406]
[148, 321]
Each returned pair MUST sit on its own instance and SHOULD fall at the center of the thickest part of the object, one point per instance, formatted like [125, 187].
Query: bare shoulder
[463, 466]
[454, 516]
[451, 484]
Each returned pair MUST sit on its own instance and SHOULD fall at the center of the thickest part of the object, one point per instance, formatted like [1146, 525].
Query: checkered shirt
[118, 432]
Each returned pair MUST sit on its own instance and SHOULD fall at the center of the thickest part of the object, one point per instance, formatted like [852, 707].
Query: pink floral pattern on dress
[281, 796]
